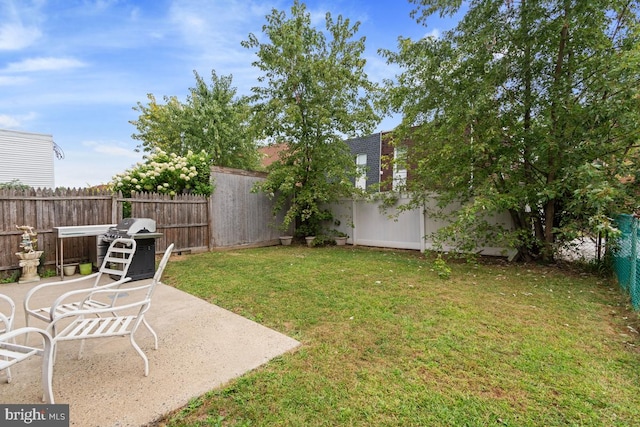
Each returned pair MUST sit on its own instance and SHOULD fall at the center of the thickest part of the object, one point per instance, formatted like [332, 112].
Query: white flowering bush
[167, 174]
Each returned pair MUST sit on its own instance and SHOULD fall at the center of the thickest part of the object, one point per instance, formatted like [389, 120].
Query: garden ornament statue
[30, 255]
[29, 241]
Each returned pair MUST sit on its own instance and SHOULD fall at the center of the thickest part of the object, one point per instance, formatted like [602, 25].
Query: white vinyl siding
[27, 157]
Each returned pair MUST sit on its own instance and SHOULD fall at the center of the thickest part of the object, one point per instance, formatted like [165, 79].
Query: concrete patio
[201, 347]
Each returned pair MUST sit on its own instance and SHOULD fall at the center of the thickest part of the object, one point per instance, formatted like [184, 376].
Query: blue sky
[76, 68]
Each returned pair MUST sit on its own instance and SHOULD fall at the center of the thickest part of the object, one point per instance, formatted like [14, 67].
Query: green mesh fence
[625, 260]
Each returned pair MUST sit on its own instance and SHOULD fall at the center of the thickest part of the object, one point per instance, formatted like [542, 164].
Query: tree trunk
[554, 150]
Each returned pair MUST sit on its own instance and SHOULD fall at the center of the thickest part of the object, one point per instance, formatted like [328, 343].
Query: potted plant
[69, 269]
[341, 238]
[311, 228]
[85, 267]
[286, 240]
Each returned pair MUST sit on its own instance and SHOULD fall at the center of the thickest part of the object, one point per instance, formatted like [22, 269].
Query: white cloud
[134, 14]
[94, 162]
[102, 5]
[434, 34]
[212, 26]
[81, 170]
[15, 121]
[43, 64]
[210, 34]
[112, 149]
[378, 70]
[15, 36]
[19, 25]
[318, 16]
[9, 122]
[13, 80]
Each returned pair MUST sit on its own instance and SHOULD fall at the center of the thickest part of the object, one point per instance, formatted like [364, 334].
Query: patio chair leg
[47, 372]
[155, 336]
[26, 324]
[54, 348]
[141, 353]
[81, 349]
[9, 378]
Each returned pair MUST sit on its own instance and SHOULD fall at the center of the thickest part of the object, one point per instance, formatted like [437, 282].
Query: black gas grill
[143, 230]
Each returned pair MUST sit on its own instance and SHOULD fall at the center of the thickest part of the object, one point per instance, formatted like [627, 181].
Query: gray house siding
[27, 157]
[369, 145]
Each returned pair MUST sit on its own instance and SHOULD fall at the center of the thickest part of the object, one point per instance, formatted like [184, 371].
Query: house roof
[270, 153]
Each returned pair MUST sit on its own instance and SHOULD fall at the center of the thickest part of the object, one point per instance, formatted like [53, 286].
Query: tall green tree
[212, 119]
[532, 107]
[313, 92]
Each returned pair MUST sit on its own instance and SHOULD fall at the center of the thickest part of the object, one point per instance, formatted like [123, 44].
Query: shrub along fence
[625, 258]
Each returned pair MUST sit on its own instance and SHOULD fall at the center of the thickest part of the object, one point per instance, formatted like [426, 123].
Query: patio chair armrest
[87, 292]
[8, 301]
[38, 288]
[76, 280]
[7, 338]
[5, 323]
[128, 289]
[7, 319]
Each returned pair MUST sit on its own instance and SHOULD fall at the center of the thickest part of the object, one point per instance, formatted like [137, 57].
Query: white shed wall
[27, 157]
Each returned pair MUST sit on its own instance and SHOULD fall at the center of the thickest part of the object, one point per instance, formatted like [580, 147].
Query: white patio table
[75, 231]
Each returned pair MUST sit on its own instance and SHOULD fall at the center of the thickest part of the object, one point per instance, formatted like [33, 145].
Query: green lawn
[386, 341]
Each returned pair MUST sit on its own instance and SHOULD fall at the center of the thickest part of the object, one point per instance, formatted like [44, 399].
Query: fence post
[423, 228]
[354, 216]
[210, 218]
[633, 285]
[114, 207]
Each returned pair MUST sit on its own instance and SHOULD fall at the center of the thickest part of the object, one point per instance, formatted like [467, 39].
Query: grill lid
[131, 226]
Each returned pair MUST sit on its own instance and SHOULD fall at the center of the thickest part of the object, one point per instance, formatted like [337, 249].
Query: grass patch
[387, 340]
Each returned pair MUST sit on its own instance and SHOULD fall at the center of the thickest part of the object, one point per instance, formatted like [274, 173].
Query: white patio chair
[7, 314]
[12, 353]
[115, 264]
[122, 318]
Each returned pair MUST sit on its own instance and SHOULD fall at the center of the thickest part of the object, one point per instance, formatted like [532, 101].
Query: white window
[361, 179]
[399, 167]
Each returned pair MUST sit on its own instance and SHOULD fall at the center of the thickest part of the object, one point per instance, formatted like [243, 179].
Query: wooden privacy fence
[233, 216]
[239, 216]
[183, 220]
[45, 209]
